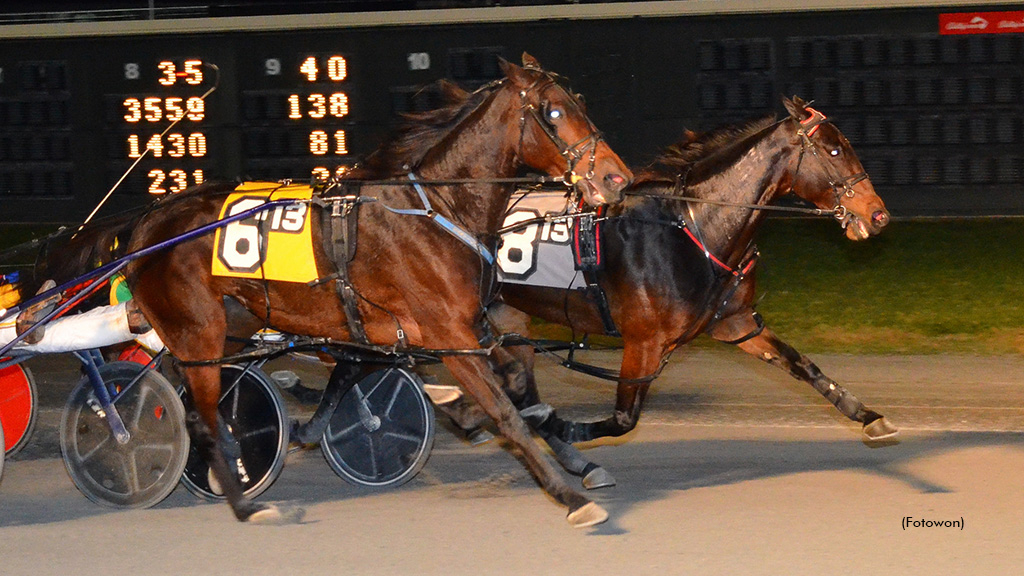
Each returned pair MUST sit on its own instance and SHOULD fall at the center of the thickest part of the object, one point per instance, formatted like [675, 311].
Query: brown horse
[415, 284]
[676, 267]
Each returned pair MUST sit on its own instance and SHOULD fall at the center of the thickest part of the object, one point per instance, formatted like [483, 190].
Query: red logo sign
[981, 23]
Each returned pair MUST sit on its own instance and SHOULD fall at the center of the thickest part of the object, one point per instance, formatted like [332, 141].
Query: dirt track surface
[735, 469]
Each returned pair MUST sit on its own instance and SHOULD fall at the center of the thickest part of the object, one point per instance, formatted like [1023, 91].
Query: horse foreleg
[742, 330]
[639, 361]
[521, 384]
[481, 382]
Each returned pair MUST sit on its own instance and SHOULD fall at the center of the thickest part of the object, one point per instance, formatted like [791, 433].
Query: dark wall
[937, 120]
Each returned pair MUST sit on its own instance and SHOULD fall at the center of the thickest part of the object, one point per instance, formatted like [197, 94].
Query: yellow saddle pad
[276, 244]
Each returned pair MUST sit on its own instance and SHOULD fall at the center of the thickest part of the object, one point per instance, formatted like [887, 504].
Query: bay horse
[678, 261]
[417, 286]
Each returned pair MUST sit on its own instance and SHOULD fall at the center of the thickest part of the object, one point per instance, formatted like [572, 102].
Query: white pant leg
[102, 326]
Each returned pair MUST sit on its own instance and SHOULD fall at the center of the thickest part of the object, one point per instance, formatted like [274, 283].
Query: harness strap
[587, 256]
[342, 221]
[461, 234]
[752, 334]
[748, 263]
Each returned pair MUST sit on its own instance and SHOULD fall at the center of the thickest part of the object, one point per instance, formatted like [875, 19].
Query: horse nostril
[616, 179]
[880, 218]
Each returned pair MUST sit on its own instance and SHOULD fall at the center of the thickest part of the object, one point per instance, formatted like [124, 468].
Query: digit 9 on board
[173, 157]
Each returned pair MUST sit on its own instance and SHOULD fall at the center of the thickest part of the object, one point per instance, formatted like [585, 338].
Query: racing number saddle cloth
[276, 244]
[541, 253]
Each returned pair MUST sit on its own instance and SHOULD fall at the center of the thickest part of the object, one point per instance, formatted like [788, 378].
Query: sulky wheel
[18, 407]
[252, 409]
[382, 431]
[141, 472]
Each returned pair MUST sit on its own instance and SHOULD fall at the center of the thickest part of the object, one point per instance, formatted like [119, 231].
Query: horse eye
[834, 152]
[554, 114]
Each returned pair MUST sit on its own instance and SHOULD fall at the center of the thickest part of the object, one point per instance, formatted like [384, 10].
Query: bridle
[573, 153]
[842, 186]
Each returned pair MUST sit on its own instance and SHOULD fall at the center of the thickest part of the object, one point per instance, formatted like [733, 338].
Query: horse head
[829, 174]
[557, 137]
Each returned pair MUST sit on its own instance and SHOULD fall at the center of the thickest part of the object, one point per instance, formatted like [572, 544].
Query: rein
[768, 208]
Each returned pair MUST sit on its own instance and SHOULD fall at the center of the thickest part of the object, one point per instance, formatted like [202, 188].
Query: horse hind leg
[759, 341]
[477, 377]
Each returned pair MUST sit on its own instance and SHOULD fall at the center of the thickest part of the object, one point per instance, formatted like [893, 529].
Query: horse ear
[451, 90]
[514, 73]
[796, 107]
[530, 62]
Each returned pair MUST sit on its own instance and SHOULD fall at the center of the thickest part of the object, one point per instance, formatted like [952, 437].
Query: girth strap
[586, 243]
[342, 221]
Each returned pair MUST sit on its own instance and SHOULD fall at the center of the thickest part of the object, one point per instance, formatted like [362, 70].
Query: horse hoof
[479, 437]
[880, 429]
[598, 478]
[536, 415]
[271, 515]
[590, 514]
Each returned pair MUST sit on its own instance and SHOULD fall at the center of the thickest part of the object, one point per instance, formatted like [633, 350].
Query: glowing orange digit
[339, 104]
[153, 110]
[197, 146]
[168, 69]
[157, 178]
[179, 179]
[175, 145]
[309, 69]
[293, 107]
[340, 145]
[337, 68]
[194, 72]
[155, 146]
[318, 142]
[174, 110]
[133, 146]
[196, 109]
[134, 110]
[319, 109]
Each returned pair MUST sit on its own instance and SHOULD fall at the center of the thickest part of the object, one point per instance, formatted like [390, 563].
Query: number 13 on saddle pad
[274, 245]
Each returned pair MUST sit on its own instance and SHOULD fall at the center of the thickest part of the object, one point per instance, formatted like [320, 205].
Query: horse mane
[694, 148]
[420, 132]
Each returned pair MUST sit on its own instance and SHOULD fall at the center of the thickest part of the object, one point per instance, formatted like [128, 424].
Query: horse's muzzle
[858, 228]
[608, 189]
